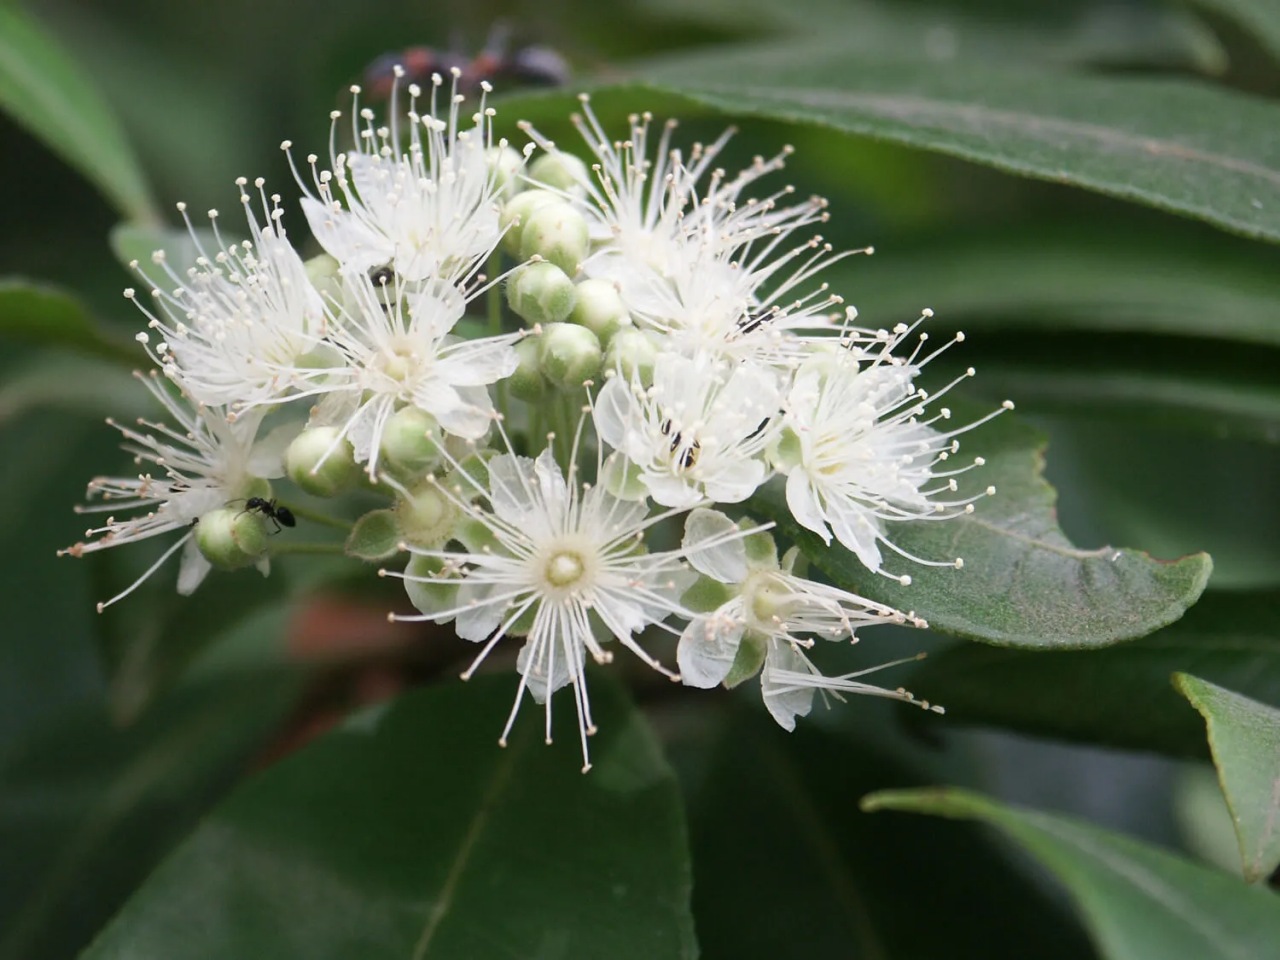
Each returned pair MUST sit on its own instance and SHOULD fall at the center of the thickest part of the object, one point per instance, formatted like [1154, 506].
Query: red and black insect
[499, 63]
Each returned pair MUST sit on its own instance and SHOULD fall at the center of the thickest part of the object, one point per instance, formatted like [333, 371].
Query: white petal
[535, 670]
[192, 569]
[785, 701]
[479, 616]
[344, 238]
[726, 560]
[614, 412]
[735, 484]
[708, 648]
[856, 529]
[675, 492]
[804, 505]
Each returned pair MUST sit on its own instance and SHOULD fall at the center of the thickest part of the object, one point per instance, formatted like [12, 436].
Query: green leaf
[1024, 584]
[1140, 902]
[1245, 738]
[43, 315]
[136, 242]
[1096, 279]
[87, 808]
[82, 385]
[1130, 385]
[774, 811]
[1260, 17]
[1120, 696]
[1121, 136]
[410, 833]
[43, 88]
[1136, 33]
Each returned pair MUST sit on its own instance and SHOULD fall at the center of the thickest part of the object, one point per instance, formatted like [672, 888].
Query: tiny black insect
[280, 516]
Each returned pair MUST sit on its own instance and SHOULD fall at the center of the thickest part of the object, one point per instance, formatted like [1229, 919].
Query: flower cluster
[574, 471]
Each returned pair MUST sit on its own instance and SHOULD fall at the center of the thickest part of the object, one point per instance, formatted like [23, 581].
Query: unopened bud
[541, 293]
[505, 166]
[410, 440]
[569, 355]
[527, 383]
[322, 271]
[231, 537]
[600, 309]
[516, 213]
[561, 171]
[557, 232]
[633, 353]
[322, 462]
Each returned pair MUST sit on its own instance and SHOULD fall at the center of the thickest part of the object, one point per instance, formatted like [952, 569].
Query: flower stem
[303, 513]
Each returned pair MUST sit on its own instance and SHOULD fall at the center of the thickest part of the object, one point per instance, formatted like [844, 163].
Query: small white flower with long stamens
[202, 461]
[426, 211]
[860, 447]
[563, 564]
[761, 614]
[244, 325]
[698, 433]
[395, 349]
[651, 215]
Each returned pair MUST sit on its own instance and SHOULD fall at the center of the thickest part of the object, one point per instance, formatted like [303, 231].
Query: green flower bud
[516, 213]
[232, 537]
[562, 171]
[322, 271]
[506, 165]
[410, 440]
[541, 293]
[557, 232]
[633, 352]
[425, 517]
[321, 463]
[600, 309]
[527, 383]
[570, 355]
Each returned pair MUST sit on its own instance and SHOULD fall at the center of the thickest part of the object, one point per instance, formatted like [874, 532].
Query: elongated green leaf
[1245, 738]
[34, 313]
[410, 834]
[1023, 583]
[1099, 279]
[1125, 388]
[87, 808]
[774, 811]
[81, 385]
[43, 88]
[1120, 136]
[1061, 33]
[1260, 17]
[1139, 902]
[1119, 696]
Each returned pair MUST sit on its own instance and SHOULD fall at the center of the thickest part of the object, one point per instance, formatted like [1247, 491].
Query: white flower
[747, 304]
[398, 350]
[770, 617]
[646, 208]
[426, 212]
[236, 329]
[698, 433]
[859, 449]
[563, 565]
[204, 462]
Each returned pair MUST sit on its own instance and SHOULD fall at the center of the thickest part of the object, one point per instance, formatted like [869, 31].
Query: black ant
[528, 66]
[280, 516]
